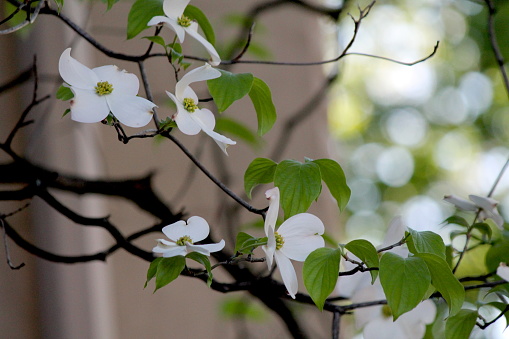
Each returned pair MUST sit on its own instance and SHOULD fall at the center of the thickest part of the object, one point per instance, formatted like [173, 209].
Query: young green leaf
[259, 171]
[140, 14]
[262, 101]
[168, 270]
[156, 39]
[205, 261]
[229, 87]
[194, 13]
[404, 281]
[426, 242]
[67, 111]
[152, 270]
[461, 325]
[320, 273]
[64, 93]
[444, 281]
[457, 221]
[246, 243]
[334, 178]
[300, 184]
[365, 251]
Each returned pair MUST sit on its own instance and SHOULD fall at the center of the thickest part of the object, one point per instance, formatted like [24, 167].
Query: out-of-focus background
[404, 135]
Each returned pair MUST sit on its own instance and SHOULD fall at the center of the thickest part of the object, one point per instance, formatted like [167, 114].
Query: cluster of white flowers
[105, 89]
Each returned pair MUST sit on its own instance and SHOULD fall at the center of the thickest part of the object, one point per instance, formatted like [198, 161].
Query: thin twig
[223, 187]
[336, 320]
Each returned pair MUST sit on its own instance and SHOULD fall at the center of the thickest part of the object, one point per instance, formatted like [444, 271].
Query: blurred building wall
[107, 300]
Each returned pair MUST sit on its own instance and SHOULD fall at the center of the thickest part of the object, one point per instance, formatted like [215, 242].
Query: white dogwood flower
[190, 118]
[181, 24]
[182, 237]
[488, 207]
[295, 239]
[377, 320]
[103, 89]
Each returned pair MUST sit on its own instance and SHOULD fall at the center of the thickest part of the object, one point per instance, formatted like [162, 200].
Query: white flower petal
[485, 203]
[185, 122]
[205, 72]
[287, 273]
[87, 106]
[163, 246]
[489, 209]
[299, 247]
[122, 81]
[196, 228]
[193, 32]
[222, 141]
[384, 328]
[174, 8]
[158, 19]
[503, 271]
[130, 110]
[302, 224]
[178, 250]
[270, 248]
[75, 73]
[206, 249]
[204, 118]
[369, 293]
[461, 204]
[271, 217]
[189, 93]
[424, 313]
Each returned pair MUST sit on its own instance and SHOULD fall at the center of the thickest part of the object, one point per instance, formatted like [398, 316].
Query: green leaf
[259, 171]
[365, 251]
[67, 111]
[426, 242]
[238, 130]
[229, 87]
[246, 243]
[152, 270]
[334, 178]
[262, 101]
[299, 184]
[60, 5]
[205, 261]
[140, 14]
[461, 325]
[457, 221]
[320, 273]
[484, 228]
[195, 13]
[168, 270]
[157, 40]
[404, 281]
[64, 93]
[444, 281]
[496, 254]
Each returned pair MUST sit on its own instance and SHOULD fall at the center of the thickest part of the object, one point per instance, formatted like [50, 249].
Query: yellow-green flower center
[103, 88]
[184, 21]
[183, 240]
[279, 240]
[386, 311]
[190, 105]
